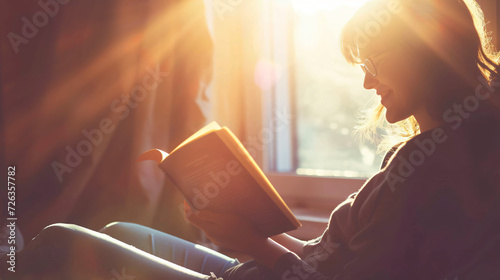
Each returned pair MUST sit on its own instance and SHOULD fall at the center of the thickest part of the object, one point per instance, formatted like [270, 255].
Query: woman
[432, 212]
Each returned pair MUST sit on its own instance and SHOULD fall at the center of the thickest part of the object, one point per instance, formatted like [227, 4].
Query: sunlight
[311, 6]
[153, 43]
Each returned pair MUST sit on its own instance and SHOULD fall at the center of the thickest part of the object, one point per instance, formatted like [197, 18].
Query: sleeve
[420, 217]
[389, 155]
[366, 255]
[329, 253]
[361, 257]
[389, 229]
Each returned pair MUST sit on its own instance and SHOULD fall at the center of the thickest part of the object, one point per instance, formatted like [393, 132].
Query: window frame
[319, 194]
[322, 193]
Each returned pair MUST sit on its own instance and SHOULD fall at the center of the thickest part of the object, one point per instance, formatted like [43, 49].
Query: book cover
[213, 171]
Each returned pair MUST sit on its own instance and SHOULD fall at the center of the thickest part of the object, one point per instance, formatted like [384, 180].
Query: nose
[370, 82]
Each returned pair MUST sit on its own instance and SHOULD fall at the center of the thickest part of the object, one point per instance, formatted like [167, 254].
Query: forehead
[372, 48]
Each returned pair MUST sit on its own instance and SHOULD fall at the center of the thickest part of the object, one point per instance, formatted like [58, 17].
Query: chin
[391, 121]
[393, 118]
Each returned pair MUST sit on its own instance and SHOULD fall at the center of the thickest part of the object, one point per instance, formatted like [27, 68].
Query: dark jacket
[433, 212]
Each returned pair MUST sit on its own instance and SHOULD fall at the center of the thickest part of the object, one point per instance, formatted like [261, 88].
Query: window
[300, 98]
[328, 94]
[324, 93]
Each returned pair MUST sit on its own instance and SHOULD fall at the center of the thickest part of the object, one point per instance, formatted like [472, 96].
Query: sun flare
[311, 6]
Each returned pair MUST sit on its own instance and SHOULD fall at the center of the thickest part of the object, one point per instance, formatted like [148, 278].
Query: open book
[214, 171]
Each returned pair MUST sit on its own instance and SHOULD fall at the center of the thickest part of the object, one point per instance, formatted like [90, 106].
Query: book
[213, 171]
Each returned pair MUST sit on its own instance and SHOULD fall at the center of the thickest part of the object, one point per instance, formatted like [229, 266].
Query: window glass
[329, 94]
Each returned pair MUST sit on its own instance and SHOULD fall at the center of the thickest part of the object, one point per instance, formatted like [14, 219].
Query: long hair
[452, 30]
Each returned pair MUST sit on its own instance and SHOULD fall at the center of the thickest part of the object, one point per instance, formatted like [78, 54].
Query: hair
[453, 35]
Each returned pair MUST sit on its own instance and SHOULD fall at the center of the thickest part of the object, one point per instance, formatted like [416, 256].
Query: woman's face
[398, 81]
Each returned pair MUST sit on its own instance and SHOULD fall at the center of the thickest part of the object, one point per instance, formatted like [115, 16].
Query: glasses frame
[369, 67]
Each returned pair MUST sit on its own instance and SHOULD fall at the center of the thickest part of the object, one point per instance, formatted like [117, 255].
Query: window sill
[321, 194]
[312, 199]
[313, 223]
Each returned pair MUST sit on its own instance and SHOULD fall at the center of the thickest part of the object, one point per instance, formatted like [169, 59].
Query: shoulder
[447, 149]
[389, 154]
[444, 163]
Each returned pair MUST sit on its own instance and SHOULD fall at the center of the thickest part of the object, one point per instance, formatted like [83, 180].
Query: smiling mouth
[384, 96]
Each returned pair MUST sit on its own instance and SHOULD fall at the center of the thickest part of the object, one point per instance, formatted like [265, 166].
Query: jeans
[121, 251]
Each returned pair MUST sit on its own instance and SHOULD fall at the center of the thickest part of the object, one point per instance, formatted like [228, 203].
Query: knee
[61, 227]
[58, 231]
[57, 236]
[119, 229]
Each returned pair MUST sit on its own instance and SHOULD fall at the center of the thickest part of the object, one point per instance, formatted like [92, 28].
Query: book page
[213, 126]
[239, 151]
[211, 177]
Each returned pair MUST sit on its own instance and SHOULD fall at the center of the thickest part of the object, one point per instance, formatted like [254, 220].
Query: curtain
[86, 86]
[237, 31]
[247, 71]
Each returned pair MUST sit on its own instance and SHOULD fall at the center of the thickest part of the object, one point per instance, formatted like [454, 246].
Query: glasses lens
[363, 68]
[370, 67]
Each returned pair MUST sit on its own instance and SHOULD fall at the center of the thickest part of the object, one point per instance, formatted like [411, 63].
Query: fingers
[193, 216]
[207, 220]
[204, 225]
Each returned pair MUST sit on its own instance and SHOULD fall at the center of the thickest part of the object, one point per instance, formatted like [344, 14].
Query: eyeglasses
[369, 67]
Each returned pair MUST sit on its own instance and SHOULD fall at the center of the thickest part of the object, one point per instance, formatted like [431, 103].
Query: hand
[225, 230]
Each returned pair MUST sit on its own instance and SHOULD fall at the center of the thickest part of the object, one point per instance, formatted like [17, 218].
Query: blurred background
[86, 86]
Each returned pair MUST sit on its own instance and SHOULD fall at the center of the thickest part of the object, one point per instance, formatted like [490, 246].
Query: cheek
[398, 108]
[402, 73]
[402, 77]
[403, 102]
[406, 85]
